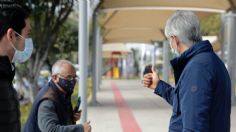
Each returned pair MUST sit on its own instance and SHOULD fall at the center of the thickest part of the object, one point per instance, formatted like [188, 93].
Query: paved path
[125, 106]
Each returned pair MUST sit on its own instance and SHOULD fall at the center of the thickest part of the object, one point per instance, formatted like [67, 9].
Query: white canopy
[143, 21]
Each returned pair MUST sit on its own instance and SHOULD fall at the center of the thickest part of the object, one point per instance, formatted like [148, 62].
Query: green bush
[24, 111]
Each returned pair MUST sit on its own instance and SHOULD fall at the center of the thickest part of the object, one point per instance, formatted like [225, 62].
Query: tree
[211, 25]
[66, 46]
[47, 17]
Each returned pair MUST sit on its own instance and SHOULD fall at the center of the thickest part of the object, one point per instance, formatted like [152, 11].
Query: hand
[151, 80]
[87, 127]
[77, 115]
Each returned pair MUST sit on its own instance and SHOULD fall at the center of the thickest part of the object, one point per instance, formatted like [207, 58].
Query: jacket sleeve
[49, 122]
[166, 91]
[195, 99]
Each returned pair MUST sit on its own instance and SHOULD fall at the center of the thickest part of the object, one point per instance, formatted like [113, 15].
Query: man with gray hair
[52, 109]
[201, 98]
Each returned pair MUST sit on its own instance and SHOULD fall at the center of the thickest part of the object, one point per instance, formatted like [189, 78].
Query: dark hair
[12, 15]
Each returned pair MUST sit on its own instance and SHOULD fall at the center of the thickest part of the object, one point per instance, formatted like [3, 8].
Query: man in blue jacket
[201, 98]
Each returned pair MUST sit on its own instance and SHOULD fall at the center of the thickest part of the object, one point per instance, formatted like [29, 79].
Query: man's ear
[179, 45]
[174, 41]
[54, 78]
[177, 41]
[10, 34]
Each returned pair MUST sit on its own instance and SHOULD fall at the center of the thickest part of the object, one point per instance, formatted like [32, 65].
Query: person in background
[201, 98]
[15, 47]
[52, 109]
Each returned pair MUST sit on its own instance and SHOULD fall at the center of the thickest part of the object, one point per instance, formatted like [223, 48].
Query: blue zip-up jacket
[201, 100]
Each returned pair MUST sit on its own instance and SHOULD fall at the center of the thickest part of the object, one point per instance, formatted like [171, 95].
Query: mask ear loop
[12, 45]
[19, 34]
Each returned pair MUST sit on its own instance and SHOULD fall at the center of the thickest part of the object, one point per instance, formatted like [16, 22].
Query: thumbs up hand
[150, 80]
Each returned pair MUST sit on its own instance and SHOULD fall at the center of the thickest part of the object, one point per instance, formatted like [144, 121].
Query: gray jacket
[48, 119]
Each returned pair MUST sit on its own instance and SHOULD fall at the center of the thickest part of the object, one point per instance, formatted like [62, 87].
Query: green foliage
[24, 111]
[74, 96]
[48, 19]
[66, 46]
[211, 25]
[54, 36]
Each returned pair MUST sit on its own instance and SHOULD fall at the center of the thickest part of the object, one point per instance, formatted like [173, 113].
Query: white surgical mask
[22, 56]
[174, 51]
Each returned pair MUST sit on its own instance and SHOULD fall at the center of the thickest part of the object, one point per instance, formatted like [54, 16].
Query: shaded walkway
[149, 112]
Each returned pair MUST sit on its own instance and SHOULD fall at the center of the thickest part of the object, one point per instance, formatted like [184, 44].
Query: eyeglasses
[68, 77]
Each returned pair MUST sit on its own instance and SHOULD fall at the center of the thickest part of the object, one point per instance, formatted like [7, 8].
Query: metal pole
[124, 68]
[154, 53]
[166, 61]
[100, 69]
[98, 56]
[231, 42]
[142, 64]
[96, 46]
[222, 38]
[83, 53]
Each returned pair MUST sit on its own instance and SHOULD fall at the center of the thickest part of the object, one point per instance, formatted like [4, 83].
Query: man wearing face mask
[15, 47]
[201, 98]
[52, 109]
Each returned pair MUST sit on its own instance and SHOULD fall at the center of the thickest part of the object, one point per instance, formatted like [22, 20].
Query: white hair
[185, 26]
[56, 68]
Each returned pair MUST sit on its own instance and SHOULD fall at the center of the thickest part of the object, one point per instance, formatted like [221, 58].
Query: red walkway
[128, 122]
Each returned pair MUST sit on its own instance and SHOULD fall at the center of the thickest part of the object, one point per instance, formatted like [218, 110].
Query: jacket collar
[180, 62]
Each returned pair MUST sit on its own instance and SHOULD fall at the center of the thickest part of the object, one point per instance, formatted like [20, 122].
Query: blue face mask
[22, 56]
[67, 85]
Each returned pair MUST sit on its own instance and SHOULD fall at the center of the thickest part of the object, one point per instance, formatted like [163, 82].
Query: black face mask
[67, 85]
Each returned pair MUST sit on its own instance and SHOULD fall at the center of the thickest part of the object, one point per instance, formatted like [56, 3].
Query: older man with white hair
[201, 98]
[52, 109]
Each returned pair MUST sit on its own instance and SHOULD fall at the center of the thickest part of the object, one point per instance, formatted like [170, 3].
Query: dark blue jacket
[31, 124]
[201, 99]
